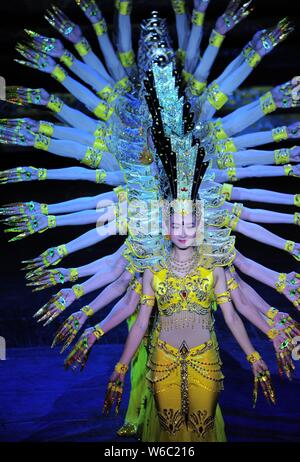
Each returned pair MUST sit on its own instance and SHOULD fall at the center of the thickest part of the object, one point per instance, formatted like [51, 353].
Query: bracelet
[108, 94]
[252, 58]
[237, 209]
[136, 286]
[225, 160]
[100, 176]
[197, 87]
[216, 39]
[88, 311]
[121, 193]
[51, 221]
[46, 128]
[289, 246]
[253, 357]
[180, 55]
[59, 73]
[233, 222]
[103, 111]
[148, 300]
[98, 332]
[67, 58]
[267, 103]
[127, 58]
[125, 8]
[231, 172]
[215, 96]
[92, 157]
[55, 104]
[121, 368]
[232, 284]
[297, 218]
[42, 174]
[226, 145]
[197, 18]
[101, 130]
[100, 27]
[123, 86]
[297, 200]
[187, 76]
[78, 290]
[272, 313]
[223, 297]
[227, 190]
[62, 250]
[218, 130]
[281, 282]
[279, 134]
[41, 142]
[83, 47]
[44, 209]
[100, 144]
[282, 156]
[272, 333]
[178, 6]
[74, 274]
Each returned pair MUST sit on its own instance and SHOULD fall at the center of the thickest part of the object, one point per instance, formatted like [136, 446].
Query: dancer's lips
[182, 241]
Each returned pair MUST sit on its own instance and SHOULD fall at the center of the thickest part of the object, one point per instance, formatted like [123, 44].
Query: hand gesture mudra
[81, 351]
[69, 329]
[55, 306]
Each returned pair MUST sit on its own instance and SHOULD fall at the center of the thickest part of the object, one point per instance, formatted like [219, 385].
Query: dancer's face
[183, 229]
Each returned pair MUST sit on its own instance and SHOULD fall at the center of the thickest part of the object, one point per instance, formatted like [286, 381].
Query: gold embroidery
[201, 422]
[170, 420]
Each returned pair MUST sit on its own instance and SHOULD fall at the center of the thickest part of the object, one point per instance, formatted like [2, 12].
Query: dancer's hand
[114, 392]
[26, 225]
[56, 305]
[69, 329]
[262, 377]
[16, 135]
[201, 5]
[293, 130]
[18, 174]
[35, 59]
[23, 208]
[266, 40]
[90, 9]
[48, 45]
[283, 347]
[57, 18]
[287, 95]
[51, 256]
[81, 351]
[41, 278]
[24, 96]
[233, 15]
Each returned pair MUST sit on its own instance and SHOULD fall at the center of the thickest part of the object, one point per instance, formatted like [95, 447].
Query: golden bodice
[193, 292]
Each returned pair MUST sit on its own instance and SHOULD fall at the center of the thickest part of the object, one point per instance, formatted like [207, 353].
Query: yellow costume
[185, 381]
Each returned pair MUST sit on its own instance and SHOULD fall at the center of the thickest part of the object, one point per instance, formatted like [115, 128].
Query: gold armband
[44, 209]
[103, 111]
[42, 174]
[98, 332]
[218, 129]
[197, 18]
[267, 103]
[297, 218]
[223, 297]
[197, 87]
[225, 160]
[123, 85]
[125, 8]
[121, 193]
[92, 157]
[108, 94]
[83, 47]
[281, 282]
[137, 286]
[55, 104]
[186, 75]
[41, 142]
[231, 172]
[78, 290]
[254, 357]
[100, 144]
[88, 311]
[272, 333]
[100, 27]
[233, 222]
[279, 134]
[215, 96]
[272, 313]
[216, 39]
[148, 300]
[226, 145]
[237, 209]
[59, 73]
[297, 200]
[62, 250]
[232, 284]
[281, 156]
[252, 59]
[121, 368]
[46, 128]
[127, 58]
[67, 58]
[100, 176]
[74, 274]
[178, 6]
[289, 246]
[51, 221]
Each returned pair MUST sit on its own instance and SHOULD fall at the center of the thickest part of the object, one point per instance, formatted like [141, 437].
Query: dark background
[17, 303]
